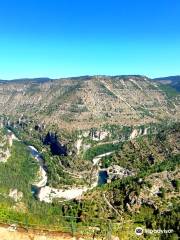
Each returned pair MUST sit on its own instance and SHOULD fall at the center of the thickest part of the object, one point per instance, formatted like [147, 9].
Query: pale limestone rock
[15, 194]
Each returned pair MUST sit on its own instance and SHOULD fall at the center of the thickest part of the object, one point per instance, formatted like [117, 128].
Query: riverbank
[46, 193]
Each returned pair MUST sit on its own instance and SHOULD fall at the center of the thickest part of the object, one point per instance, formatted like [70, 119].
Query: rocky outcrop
[117, 172]
[4, 155]
[15, 195]
[98, 135]
[5, 145]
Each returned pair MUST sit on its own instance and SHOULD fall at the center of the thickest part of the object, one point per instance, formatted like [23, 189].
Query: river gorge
[43, 192]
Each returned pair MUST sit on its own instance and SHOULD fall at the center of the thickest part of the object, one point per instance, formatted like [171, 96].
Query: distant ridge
[43, 79]
[83, 77]
[173, 81]
[89, 101]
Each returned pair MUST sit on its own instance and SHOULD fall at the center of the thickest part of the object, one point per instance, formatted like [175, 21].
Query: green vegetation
[105, 90]
[118, 131]
[101, 149]
[170, 91]
[19, 171]
[59, 97]
[56, 176]
[149, 157]
[143, 153]
[144, 111]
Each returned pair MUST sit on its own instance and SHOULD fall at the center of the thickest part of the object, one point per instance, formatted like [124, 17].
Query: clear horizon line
[90, 75]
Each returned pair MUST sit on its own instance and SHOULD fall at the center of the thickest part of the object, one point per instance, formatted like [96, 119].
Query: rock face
[83, 103]
[5, 144]
[78, 145]
[98, 135]
[138, 132]
[151, 193]
[134, 134]
[4, 155]
[117, 172]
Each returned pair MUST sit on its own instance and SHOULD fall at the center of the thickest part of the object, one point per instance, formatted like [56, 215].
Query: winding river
[46, 193]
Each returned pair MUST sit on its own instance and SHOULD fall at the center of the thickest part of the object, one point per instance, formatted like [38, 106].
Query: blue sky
[61, 38]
